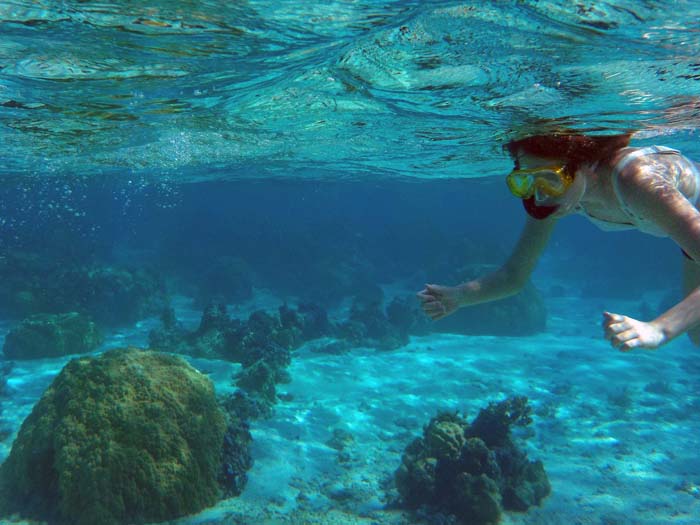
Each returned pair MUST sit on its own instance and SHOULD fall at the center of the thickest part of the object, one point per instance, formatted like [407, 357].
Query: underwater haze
[260, 188]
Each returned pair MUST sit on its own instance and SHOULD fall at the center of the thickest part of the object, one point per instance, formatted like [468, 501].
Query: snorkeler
[654, 190]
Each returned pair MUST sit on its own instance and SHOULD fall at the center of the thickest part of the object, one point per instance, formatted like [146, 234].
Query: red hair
[571, 148]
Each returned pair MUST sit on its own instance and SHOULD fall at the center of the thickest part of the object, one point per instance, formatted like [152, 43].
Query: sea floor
[617, 432]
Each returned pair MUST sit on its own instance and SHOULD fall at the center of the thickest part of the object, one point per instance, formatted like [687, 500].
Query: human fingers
[439, 313]
[434, 308]
[610, 320]
[630, 345]
[427, 294]
[609, 317]
[435, 289]
[429, 290]
[432, 304]
[613, 328]
[626, 340]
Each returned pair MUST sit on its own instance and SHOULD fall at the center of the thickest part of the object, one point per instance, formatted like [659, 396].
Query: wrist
[663, 330]
[466, 291]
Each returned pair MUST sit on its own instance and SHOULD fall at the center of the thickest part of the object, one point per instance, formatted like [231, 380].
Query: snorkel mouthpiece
[538, 211]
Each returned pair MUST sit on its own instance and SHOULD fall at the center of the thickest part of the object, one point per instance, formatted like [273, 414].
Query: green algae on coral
[52, 335]
[129, 437]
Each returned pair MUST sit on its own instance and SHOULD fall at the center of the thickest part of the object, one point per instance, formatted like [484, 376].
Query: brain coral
[131, 436]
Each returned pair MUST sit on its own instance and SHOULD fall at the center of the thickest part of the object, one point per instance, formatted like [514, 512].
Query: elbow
[514, 281]
[517, 275]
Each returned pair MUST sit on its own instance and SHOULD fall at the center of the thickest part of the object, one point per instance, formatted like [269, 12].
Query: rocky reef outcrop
[475, 471]
[132, 436]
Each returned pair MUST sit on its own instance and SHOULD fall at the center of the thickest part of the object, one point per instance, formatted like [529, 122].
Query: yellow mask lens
[552, 181]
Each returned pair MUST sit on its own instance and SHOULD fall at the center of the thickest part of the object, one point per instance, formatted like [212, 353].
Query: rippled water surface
[224, 90]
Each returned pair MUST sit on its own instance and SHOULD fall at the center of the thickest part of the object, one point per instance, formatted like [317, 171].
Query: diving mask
[552, 181]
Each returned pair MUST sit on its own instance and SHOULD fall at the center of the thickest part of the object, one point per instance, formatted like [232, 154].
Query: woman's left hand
[625, 333]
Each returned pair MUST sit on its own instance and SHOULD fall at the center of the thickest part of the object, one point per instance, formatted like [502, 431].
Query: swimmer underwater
[654, 190]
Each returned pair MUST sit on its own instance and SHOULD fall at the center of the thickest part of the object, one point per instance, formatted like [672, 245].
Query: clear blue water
[335, 147]
[229, 90]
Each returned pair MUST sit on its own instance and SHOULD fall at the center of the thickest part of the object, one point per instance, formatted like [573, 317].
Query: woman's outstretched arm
[440, 301]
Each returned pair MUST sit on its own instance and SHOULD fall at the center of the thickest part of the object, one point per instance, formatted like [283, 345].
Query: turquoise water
[341, 154]
[229, 90]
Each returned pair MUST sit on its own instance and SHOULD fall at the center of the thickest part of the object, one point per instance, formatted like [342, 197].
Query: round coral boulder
[131, 436]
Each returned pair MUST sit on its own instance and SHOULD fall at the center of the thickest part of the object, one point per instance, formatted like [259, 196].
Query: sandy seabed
[617, 433]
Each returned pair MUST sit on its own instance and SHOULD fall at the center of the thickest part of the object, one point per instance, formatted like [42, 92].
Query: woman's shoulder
[652, 168]
[647, 155]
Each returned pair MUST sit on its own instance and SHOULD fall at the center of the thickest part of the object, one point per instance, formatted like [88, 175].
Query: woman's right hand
[439, 301]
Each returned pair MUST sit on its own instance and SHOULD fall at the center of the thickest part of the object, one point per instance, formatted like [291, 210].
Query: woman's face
[543, 204]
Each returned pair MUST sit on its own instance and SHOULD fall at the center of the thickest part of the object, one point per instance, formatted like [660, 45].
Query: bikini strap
[634, 155]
